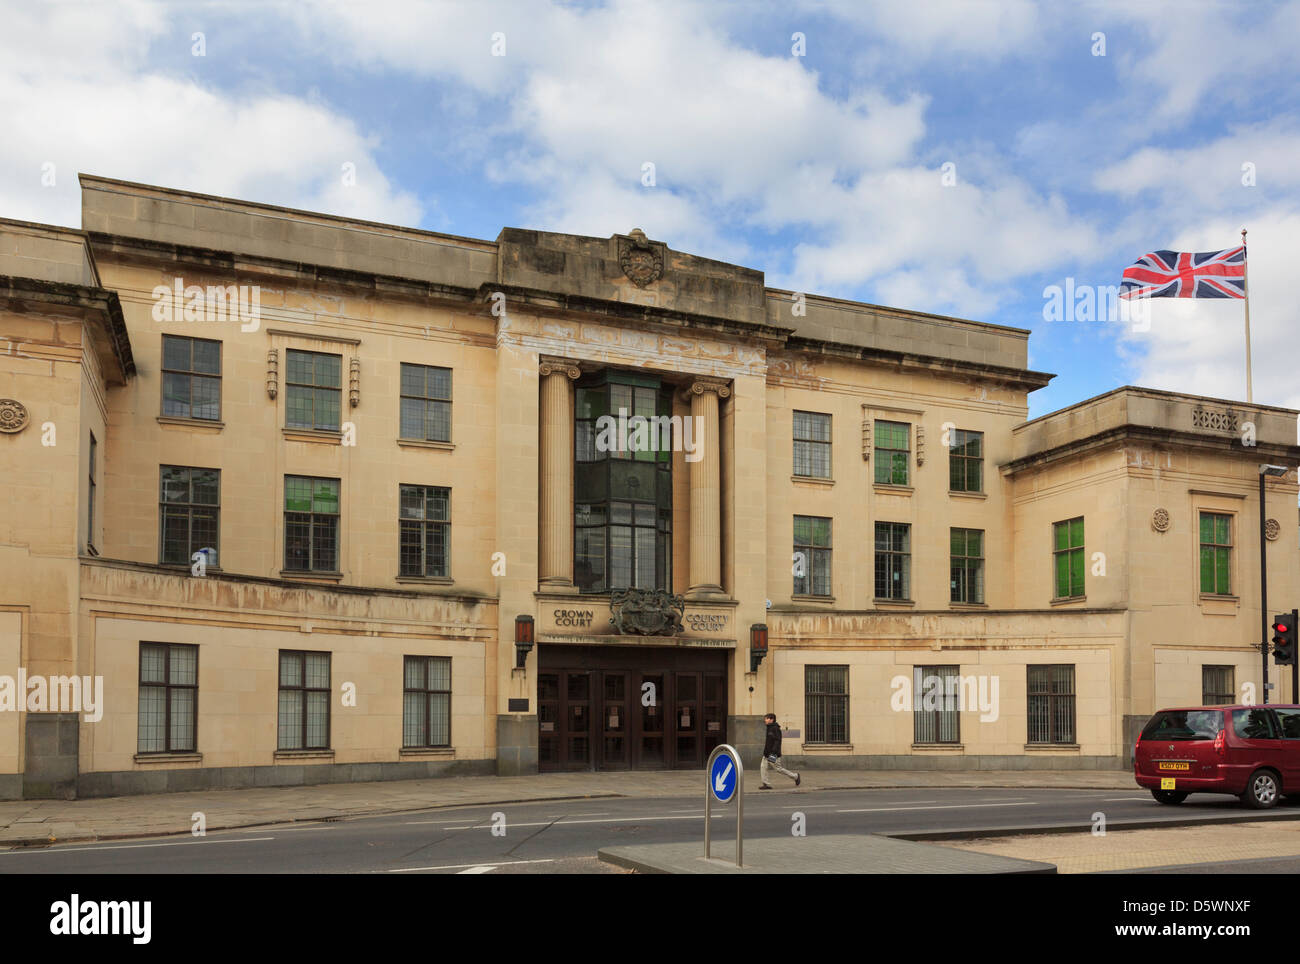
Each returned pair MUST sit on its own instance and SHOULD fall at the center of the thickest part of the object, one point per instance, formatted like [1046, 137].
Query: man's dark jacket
[773, 745]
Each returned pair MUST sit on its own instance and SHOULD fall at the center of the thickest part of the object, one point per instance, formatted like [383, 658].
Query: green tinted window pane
[1076, 533]
[898, 475]
[1207, 527]
[204, 486]
[1221, 571]
[297, 495]
[1060, 536]
[298, 407]
[802, 530]
[327, 370]
[207, 357]
[1076, 573]
[1222, 534]
[327, 409]
[821, 531]
[974, 476]
[1207, 569]
[957, 542]
[620, 399]
[1062, 576]
[591, 402]
[298, 367]
[325, 497]
[974, 542]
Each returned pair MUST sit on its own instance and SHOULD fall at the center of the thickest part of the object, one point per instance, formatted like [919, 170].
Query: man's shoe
[796, 779]
[764, 786]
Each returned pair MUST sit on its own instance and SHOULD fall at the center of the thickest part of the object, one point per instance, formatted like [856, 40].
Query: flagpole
[1245, 291]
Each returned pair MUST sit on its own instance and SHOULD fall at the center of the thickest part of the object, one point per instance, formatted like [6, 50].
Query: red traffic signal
[1284, 639]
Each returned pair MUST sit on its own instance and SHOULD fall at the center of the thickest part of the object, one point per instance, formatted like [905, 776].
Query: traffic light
[1284, 639]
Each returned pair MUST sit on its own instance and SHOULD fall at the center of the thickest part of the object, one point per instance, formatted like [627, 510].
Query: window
[1217, 686]
[1216, 553]
[1051, 704]
[169, 698]
[313, 390]
[90, 501]
[967, 547]
[1254, 724]
[935, 704]
[826, 703]
[812, 556]
[812, 445]
[189, 503]
[191, 370]
[425, 514]
[1067, 558]
[1289, 719]
[426, 403]
[311, 524]
[893, 560]
[892, 452]
[304, 715]
[966, 461]
[623, 500]
[426, 701]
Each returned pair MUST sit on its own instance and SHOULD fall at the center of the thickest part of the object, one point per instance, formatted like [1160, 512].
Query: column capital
[698, 386]
[551, 365]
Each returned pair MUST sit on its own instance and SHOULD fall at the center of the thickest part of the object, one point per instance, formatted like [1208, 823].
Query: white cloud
[986, 29]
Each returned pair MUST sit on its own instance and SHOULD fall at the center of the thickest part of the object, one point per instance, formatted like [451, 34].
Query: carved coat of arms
[641, 260]
[646, 612]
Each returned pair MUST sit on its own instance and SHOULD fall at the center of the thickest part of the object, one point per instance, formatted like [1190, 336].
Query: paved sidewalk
[24, 822]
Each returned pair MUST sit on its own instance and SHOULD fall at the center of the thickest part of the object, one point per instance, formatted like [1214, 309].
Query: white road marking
[1113, 799]
[503, 863]
[481, 869]
[70, 850]
[954, 806]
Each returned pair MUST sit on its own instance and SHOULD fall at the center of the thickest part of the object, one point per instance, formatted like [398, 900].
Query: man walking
[772, 754]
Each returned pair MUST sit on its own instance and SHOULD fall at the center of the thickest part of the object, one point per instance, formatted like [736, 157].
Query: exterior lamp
[757, 645]
[523, 639]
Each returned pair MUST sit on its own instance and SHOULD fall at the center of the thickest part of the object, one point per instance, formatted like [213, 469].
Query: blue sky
[823, 170]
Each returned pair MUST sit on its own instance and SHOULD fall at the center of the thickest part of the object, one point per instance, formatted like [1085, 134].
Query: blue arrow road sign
[722, 778]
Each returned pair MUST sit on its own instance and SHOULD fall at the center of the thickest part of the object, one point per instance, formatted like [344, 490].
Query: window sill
[1218, 597]
[309, 575]
[968, 605]
[416, 443]
[168, 758]
[324, 436]
[427, 580]
[427, 752]
[801, 597]
[287, 755]
[940, 747]
[827, 747]
[901, 603]
[206, 423]
[186, 567]
[1068, 600]
[967, 495]
[887, 488]
[812, 480]
[1067, 747]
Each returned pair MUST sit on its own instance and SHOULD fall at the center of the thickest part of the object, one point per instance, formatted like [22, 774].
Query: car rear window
[1253, 724]
[1184, 725]
[1290, 720]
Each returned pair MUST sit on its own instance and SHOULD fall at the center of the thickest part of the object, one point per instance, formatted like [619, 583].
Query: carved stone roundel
[1160, 520]
[13, 416]
[1272, 529]
[641, 261]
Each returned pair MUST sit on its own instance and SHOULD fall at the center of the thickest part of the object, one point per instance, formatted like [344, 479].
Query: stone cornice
[1263, 452]
[1021, 378]
[100, 302]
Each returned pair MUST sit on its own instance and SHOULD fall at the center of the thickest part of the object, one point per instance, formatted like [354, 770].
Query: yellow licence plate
[1175, 766]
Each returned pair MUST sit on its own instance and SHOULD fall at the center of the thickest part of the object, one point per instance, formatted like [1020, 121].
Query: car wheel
[1262, 791]
[1169, 797]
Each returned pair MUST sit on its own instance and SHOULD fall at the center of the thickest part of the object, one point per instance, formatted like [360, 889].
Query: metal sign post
[725, 777]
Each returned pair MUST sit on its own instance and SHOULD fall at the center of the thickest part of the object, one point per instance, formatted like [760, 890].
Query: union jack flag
[1182, 274]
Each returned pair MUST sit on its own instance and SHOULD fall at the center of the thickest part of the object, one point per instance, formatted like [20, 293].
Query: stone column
[555, 506]
[706, 489]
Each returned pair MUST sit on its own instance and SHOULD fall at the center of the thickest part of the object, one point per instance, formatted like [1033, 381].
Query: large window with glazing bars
[826, 704]
[936, 716]
[967, 565]
[189, 506]
[426, 403]
[1051, 704]
[169, 698]
[426, 701]
[966, 461]
[311, 524]
[1068, 558]
[812, 555]
[313, 390]
[812, 445]
[1216, 554]
[893, 560]
[623, 500]
[191, 378]
[892, 444]
[1217, 686]
[304, 712]
[423, 530]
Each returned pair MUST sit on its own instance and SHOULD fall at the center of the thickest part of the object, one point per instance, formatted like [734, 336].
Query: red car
[1250, 751]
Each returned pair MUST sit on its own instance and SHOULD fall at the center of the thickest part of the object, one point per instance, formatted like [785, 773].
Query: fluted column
[706, 489]
[555, 526]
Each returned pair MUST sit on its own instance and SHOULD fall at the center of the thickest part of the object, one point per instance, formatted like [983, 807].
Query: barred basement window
[191, 378]
[935, 704]
[1216, 553]
[812, 445]
[1217, 685]
[426, 701]
[304, 712]
[826, 703]
[1051, 704]
[313, 390]
[892, 452]
[311, 524]
[169, 698]
[426, 403]
[966, 461]
[1068, 558]
[967, 547]
[189, 507]
[893, 560]
[423, 529]
[812, 556]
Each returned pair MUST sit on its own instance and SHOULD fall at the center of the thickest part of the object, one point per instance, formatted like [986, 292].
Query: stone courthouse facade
[315, 499]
